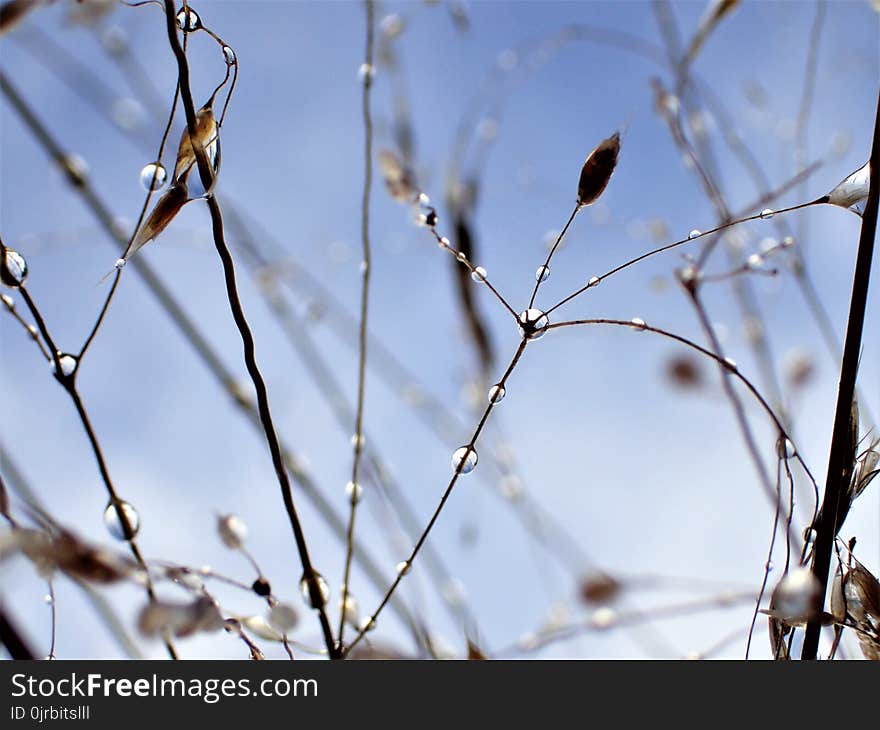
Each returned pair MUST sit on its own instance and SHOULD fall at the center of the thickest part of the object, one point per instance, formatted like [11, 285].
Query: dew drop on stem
[354, 492]
[767, 213]
[188, 20]
[695, 233]
[496, 394]
[117, 526]
[464, 460]
[479, 274]
[533, 323]
[542, 273]
[13, 268]
[320, 600]
[68, 364]
[153, 176]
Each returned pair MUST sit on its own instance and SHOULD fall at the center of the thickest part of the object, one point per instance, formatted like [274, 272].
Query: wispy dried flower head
[597, 170]
[852, 191]
[207, 134]
[399, 179]
[180, 619]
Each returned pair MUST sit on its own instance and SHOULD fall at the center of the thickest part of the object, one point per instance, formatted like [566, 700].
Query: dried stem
[365, 296]
[835, 490]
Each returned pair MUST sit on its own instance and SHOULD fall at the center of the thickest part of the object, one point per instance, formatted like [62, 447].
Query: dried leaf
[852, 192]
[180, 619]
[66, 552]
[207, 133]
[399, 179]
[166, 208]
[597, 170]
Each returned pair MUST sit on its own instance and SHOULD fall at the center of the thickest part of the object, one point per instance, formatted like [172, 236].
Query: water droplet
[603, 618]
[426, 214]
[188, 20]
[354, 492]
[462, 257]
[403, 567]
[128, 114]
[638, 323]
[443, 242]
[357, 440]
[229, 55]
[694, 233]
[496, 393]
[391, 25]
[320, 600]
[788, 241]
[852, 192]
[479, 274]
[767, 213]
[68, 364]
[769, 566]
[368, 624]
[350, 610]
[13, 269]
[542, 273]
[594, 281]
[283, 617]
[464, 460]
[731, 363]
[118, 527]
[232, 531]
[755, 261]
[511, 487]
[153, 176]
[366, 72]
[533, 323]
[120, 263]
[48, 599]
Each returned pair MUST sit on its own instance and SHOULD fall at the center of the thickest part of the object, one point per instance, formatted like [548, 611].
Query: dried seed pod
[180, 619]
[167, 207]
[684, 371]
[399, 179]
[852, 192]
[599, 588]
[597, 170]
[207, 133]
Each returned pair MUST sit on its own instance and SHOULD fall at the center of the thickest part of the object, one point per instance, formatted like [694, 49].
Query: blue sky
[650, 480]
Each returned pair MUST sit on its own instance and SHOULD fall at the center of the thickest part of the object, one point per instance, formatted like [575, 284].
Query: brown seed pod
[167, 207]
[599, 588]
[597, 170]
[207, 134]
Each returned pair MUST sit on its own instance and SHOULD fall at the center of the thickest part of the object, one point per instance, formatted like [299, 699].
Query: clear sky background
[649, 479]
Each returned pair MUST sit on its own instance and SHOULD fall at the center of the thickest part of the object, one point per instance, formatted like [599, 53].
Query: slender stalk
[68, 382]
[207, 177]
[190, 332]
[365, 297]
[552, 251]
[371, 621]
[835, 490]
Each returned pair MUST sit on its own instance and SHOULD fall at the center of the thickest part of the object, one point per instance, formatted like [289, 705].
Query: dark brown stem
[835, 490]
[247, 338]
